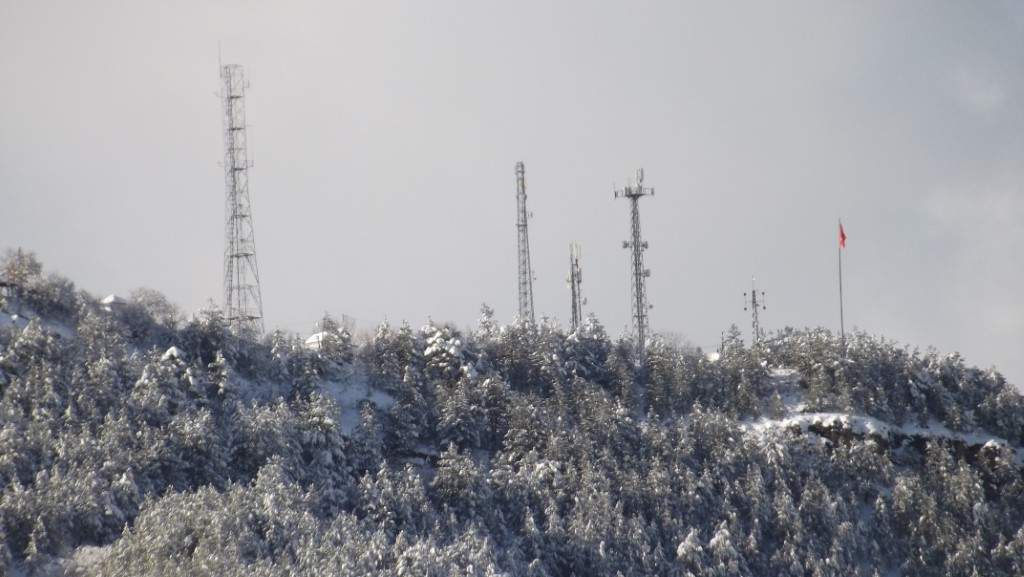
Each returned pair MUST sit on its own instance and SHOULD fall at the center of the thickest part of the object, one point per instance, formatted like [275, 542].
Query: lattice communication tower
[575, 279]
[640, 274]
[243, 304]
[525, 271]
[754, 305]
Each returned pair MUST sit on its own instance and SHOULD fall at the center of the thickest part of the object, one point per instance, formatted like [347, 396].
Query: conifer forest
[134, 441]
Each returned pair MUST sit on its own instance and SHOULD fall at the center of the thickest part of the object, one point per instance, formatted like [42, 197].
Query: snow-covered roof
[314, 341]
[113, 300]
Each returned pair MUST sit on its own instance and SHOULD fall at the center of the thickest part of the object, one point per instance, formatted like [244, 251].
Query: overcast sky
[384, 136]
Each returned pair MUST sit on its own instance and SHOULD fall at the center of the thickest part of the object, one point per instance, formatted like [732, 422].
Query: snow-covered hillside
[133, 442]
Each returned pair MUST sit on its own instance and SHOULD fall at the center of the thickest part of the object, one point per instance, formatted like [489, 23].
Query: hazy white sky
[384, 136]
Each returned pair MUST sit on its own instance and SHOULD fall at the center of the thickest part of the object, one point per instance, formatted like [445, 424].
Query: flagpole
[842, 329]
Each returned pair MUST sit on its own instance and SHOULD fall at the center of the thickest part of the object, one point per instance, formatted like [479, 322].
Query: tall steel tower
[754, 305]
[575, 278]
[525, 272]
[640, 274]
[243, 304]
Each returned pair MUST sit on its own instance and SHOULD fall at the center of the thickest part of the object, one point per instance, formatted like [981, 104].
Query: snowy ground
[352, 389]
[19, 316]
[786, 382]
[9, 320]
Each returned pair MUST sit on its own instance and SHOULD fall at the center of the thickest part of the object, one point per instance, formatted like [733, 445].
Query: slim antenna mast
[575, 278]
[243, 304]
[754, 306]
[842, 329]
[525, 272]
[640, 274]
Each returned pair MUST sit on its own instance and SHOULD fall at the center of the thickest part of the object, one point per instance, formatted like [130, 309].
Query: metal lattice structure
[640, 274]
[754, 306]
[243, 305]
[575, 278]
[525, 271]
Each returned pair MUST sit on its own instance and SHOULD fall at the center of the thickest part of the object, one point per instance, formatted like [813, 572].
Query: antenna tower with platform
[640, 274]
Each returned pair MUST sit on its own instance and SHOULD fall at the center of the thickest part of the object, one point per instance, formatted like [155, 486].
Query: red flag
[842, 236]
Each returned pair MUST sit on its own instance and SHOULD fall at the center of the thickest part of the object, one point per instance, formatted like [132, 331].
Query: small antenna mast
[525, 271]
[575, 279]
[754, 305]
